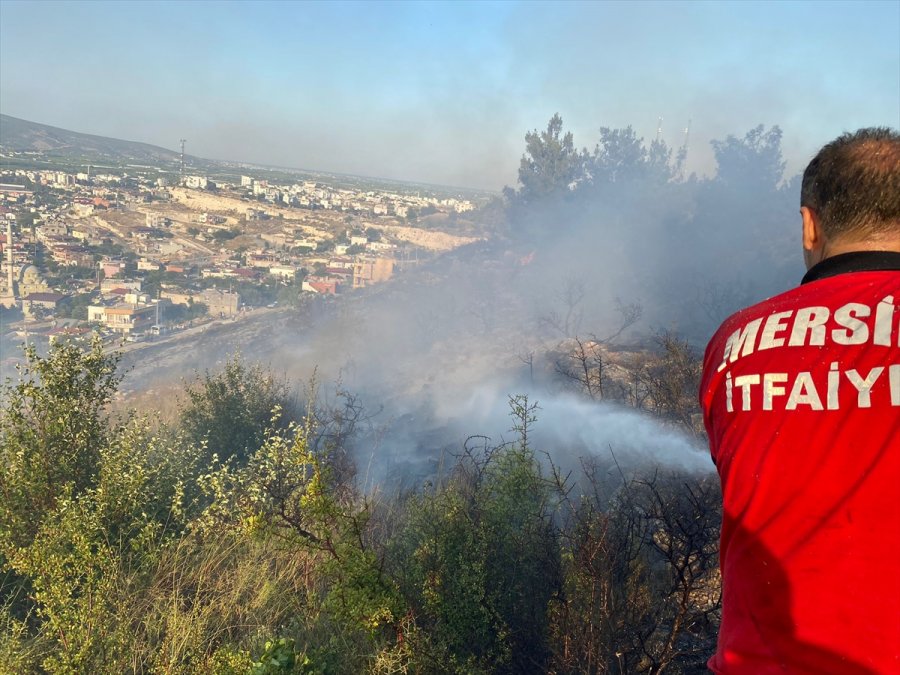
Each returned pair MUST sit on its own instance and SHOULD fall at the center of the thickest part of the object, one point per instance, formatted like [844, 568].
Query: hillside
[21, 135]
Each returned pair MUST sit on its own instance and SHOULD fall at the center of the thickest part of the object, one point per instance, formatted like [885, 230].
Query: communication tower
[683, 154]
[659, 128]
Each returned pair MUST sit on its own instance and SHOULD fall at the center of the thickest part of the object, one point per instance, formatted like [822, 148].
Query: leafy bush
[128, 550]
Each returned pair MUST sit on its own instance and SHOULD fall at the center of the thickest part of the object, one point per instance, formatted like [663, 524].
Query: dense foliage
[238, 543]
[627, 216]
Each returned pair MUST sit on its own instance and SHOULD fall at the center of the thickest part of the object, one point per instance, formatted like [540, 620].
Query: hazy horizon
[443, 93]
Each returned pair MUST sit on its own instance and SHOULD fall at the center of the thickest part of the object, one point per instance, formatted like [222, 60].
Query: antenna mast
[659, 128]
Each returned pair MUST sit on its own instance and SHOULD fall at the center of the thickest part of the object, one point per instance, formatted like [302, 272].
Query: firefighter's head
[850, 196]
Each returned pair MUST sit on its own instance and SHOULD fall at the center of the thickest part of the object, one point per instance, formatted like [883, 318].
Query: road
[169, 358]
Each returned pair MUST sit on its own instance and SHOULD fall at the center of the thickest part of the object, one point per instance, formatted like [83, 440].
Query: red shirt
[801, 400]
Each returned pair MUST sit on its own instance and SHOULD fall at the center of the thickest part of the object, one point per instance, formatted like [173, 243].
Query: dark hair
[853, 184]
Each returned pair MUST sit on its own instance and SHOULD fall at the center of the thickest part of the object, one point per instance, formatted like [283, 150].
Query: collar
[857, 261]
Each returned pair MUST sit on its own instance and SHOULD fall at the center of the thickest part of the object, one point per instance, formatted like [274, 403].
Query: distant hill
[22, 135]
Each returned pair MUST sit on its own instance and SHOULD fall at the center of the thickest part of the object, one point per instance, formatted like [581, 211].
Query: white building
[283, 271]
[157, 220]
[196, 182]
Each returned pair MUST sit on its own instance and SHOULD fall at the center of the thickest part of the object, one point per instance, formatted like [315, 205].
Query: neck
[833, 248]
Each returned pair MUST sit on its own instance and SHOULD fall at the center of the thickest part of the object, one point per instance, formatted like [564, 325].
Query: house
[112, 268]
[341, 263]
[263, 260]
[50, 229]
[246, 274]
[82, 209]
[71, 255]
[283, 271]
[196, 182]
[320, 286]
[339, 273]
[177, 296]
[372, 271]
[109, 285]
[220, 303]
[380, 246]
[34, 303]
[157, 221]
[123, 318]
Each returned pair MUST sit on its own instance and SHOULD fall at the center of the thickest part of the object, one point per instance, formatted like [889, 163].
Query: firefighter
[801, 401]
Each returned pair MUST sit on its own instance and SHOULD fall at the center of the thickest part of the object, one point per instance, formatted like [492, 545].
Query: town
[132, 254]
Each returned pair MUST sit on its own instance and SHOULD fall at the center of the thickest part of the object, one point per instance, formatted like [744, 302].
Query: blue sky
[444, 92]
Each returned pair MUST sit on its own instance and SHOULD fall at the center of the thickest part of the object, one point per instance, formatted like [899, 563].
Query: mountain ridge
[21, 135]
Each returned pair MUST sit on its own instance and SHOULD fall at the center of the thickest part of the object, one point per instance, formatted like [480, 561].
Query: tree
[666, 383]
[550, 166]
[287, 493]
[753, 161]
[621, 158]
[484, 559]
[75, 307]
[642, 591]
[88, 507]
[231, 411]
[25, 219]
[52, 432]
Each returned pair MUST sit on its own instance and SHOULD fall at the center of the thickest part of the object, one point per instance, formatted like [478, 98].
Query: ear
[812, 233]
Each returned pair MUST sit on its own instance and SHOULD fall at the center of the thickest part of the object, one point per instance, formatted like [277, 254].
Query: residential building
[220, 303]
[123, 318]
[109, 285]
[372, 271]
[283, 271]
[113, 268]
[157, 221]
[33, 302]
[320, 286]
[196, 182]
